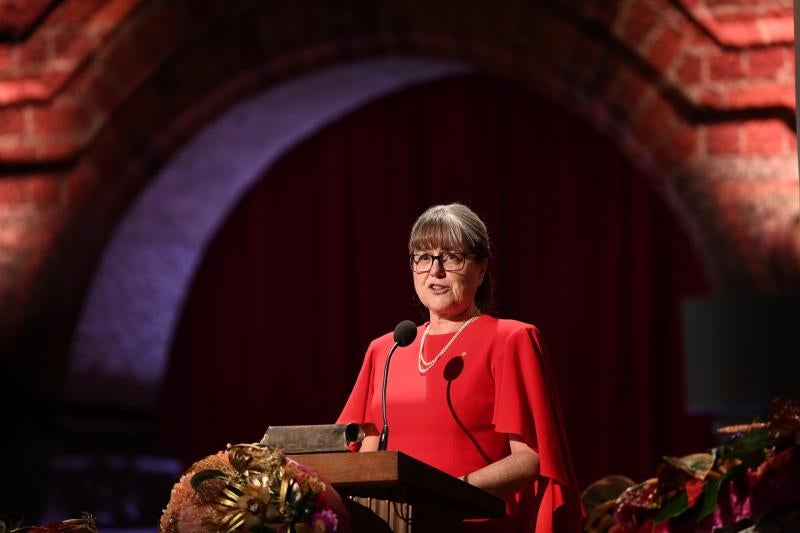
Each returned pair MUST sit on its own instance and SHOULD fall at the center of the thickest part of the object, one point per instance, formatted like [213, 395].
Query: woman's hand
[505, 476]
[369, 444]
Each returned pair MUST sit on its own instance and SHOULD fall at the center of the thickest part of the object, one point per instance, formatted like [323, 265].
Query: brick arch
[697, 92]
[139, 289]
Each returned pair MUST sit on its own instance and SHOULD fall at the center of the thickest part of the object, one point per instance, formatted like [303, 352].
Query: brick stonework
[95, 95]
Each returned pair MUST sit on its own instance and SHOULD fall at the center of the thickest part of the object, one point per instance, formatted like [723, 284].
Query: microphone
[404, 334]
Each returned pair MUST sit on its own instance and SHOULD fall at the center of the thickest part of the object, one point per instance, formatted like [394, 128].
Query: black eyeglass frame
[414, 260]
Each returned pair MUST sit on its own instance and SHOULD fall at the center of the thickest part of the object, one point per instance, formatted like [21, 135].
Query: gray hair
[454, 227]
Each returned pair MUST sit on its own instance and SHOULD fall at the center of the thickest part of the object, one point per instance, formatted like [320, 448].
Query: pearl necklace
[423, 365]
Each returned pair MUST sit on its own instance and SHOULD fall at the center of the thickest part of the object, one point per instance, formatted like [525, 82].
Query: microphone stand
[384, 438]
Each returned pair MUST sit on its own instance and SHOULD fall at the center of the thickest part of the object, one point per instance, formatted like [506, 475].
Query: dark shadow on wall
[59, 462]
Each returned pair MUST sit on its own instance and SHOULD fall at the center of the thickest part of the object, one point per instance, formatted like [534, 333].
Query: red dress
[493, 380]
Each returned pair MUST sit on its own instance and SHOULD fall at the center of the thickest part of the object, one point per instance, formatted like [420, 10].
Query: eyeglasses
[450, 261]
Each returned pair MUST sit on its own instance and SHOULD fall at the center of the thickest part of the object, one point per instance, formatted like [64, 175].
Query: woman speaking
[472, 395]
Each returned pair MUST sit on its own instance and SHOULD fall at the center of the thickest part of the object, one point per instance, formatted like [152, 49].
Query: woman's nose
[437, 269]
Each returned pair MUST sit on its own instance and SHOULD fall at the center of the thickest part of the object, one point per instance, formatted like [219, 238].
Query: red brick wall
[94, 95]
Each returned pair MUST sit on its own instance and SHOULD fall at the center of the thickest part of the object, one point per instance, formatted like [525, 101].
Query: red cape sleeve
[357, 409]
[526, 404]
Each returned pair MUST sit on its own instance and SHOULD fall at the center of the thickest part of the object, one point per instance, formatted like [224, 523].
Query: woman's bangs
[437, 234]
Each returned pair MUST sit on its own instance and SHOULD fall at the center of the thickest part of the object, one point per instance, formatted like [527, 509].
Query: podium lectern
[391, 491]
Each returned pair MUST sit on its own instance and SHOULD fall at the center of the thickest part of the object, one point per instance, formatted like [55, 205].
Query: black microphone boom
[404, 334]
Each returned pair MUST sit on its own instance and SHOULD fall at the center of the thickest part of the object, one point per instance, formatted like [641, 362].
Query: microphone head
[405, 332]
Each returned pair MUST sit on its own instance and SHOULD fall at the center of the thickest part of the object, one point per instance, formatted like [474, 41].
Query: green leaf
[751, 443]
[306, 507]
[203, 475]
[711, 491]
[710, 495]
[674, 508]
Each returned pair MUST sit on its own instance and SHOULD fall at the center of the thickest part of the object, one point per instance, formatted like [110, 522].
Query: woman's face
[449, 294]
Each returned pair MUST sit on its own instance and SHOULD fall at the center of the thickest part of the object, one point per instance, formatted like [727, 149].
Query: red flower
[694, 488]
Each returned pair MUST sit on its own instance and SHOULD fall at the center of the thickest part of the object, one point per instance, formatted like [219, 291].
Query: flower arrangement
[752, 480]
[250, 488]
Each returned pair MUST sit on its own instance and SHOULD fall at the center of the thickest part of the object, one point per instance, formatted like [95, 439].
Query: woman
[472, 395]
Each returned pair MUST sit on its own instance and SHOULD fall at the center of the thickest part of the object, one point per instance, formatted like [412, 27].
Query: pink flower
[325, 520]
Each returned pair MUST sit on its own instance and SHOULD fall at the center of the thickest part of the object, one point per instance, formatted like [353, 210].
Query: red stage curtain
[312, 265]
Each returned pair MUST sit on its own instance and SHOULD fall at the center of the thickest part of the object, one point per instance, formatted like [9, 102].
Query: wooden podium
[391, 491]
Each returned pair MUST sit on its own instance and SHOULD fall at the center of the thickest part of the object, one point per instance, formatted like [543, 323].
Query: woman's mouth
[438, 289]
